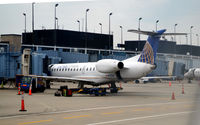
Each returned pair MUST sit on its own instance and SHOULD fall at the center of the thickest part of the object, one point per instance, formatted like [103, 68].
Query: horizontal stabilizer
[149, 33]
[168, 34]
[142, 32]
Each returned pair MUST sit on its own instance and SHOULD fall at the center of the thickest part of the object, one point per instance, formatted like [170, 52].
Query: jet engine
[109, 66]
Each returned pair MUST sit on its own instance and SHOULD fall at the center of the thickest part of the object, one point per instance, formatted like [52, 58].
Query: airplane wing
[69, 79]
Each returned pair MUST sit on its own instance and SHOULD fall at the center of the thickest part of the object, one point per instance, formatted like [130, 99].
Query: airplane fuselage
[90, 73]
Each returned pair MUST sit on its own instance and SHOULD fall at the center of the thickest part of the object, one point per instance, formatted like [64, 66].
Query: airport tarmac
[138, 104]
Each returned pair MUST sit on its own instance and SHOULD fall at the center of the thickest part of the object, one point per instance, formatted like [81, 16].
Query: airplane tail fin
[149, 51]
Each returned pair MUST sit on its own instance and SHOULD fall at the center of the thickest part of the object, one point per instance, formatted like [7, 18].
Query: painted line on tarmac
[41, 121]
[97, 108]
[138, 118]
[142, 109]
[110, 113]
[80, 116]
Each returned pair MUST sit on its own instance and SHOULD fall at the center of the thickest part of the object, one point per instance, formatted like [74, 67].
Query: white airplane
[193, 73]
[154, 78]
[109, 71]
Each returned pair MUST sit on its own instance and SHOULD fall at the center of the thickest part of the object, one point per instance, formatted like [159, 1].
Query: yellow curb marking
[110, 113]
[25, 123]
[142, 109]
[80, 116]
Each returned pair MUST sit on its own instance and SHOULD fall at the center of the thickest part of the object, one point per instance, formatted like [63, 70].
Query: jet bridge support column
[26, 61]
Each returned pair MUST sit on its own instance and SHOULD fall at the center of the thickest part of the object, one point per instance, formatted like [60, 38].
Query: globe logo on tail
[147, 55]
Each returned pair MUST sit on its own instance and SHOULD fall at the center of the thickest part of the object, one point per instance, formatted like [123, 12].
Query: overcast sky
[126, 13]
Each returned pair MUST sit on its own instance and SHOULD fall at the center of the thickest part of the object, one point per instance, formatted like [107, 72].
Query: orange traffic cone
[173, 96]
[183, 89]
[30, 90]
[18, 89]
[170, 84]
[22, 103]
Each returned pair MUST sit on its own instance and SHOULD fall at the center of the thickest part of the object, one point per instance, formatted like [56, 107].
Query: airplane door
[83, 70]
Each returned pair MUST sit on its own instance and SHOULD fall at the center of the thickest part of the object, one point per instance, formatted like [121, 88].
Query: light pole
[197, 39]
[139, 27]
[157, 24]
[121, 34]
[86, 19]
[109, 31]
[24, 22]
[109, 22]
[175, 31]
[55, 15]
[100, 27]
[191, 34]
[57, 23]
[78, 25]
[33, 16]
[186, 39]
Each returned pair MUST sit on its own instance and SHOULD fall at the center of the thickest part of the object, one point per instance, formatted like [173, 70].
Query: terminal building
[67, 38]
[36, 50]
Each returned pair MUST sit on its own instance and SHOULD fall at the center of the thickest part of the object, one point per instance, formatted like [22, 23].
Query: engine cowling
[109, 66]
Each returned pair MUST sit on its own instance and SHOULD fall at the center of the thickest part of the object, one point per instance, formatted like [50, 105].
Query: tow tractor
[38, 85]
[65, 91]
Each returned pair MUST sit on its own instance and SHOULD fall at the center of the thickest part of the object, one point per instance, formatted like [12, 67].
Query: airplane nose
[186, 75]
[153, 67]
